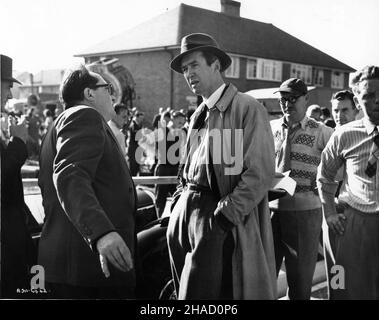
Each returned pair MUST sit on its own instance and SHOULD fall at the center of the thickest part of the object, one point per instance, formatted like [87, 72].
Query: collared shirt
[350, 145]
[195, 167]
[307, 144]
[119, 136]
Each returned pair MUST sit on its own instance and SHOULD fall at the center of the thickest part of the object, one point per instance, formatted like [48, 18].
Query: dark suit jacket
[87, 192]
[17, 252]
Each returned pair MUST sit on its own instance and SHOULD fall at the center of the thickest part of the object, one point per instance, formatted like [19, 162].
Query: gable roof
[234, 34]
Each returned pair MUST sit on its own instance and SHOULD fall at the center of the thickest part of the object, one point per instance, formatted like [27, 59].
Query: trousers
[200, 250]
[296, 239]
[357, 252]
[162, 191]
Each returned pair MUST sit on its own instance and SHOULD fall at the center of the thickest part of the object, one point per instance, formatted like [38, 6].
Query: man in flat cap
[299, 141]
[16, 243]
[219, 234]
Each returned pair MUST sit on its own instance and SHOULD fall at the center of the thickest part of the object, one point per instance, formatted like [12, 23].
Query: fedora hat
[6, 69]
[199, 41]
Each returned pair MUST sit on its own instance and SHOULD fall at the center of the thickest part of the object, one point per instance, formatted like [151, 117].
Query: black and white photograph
[213, 151]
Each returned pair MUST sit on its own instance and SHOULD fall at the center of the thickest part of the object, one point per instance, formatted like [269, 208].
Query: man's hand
[113, 248]
[17, 128]
[336, 223]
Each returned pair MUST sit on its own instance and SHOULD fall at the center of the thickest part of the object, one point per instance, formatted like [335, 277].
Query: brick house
[262, 56]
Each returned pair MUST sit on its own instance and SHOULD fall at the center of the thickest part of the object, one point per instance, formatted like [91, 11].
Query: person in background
[34, 124]
[314, 112]
[355, 146]
[169, 145]
[48, 122]
[343, 111]
[17, 249]
[343, 107]
[120, 119]
[297, 219]
[135, 126]
[326, 118]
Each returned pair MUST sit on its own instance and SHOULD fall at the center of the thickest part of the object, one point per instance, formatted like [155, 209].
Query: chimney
[231, 7]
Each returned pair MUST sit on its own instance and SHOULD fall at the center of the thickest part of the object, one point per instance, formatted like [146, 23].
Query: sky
[45, 34]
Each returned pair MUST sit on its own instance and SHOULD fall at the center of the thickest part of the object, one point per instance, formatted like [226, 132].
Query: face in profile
[6, 93]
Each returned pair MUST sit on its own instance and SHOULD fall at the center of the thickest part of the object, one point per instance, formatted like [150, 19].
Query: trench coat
[243, 184]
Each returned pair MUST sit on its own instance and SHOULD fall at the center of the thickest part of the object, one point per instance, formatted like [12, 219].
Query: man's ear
[217, 65]
[87, 93]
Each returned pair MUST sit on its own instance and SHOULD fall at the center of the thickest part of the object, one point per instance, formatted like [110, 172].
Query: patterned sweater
[306, 147]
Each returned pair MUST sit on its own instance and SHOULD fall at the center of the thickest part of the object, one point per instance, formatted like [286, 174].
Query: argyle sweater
[306, 146]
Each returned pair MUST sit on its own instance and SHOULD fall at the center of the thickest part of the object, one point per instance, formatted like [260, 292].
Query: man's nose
[10, 95]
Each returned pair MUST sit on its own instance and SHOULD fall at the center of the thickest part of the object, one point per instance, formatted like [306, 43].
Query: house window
[338, 79]
[302, 72]
[264, 69]
[251, 69]
[318, 77]
[234, 70]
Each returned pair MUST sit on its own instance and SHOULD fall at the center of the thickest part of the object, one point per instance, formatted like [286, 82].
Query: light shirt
[195, 167]
[350, 146]
[119, 136]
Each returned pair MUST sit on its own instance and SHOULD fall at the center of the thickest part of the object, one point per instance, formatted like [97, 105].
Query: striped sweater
[306, 146]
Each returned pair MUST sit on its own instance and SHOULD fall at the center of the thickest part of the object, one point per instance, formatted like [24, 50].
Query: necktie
[284, 160]
[198, 124]
[374, 155]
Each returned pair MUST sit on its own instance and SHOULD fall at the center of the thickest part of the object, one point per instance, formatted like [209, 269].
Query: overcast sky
[45, 34]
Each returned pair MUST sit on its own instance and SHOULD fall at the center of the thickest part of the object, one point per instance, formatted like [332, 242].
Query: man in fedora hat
[16, 243]
[219, 234]
[299, 141]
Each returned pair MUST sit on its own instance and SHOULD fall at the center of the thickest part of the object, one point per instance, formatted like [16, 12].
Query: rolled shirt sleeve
[331, 161]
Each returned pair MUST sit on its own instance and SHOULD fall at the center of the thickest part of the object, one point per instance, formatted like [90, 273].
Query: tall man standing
[343, 111]
[299, 141]
[219, 234]
[16, 242]
[88, 239]
[356, 146]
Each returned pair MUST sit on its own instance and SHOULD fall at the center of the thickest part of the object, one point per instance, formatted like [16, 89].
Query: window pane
[234, 69]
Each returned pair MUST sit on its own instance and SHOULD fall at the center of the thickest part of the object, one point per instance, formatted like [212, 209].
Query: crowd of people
[225, 241]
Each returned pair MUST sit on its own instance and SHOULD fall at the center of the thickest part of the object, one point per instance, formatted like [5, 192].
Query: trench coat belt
[198, 188]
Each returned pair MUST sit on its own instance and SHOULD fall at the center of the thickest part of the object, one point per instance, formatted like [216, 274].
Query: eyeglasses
[290, 99]
[108, 86]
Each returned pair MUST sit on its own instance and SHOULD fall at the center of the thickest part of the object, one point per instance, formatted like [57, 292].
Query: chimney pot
[230, 7]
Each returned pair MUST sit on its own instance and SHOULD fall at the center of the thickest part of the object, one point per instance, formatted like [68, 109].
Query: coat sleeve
[16, 155]
[258, 168]
[80, 145]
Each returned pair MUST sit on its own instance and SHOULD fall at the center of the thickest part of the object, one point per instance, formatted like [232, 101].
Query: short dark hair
[72, 87]
[367, 73]
[166, 114]
[325, 112]
[210, 57]
[344, 95]
[178, 114]
[118, 107]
